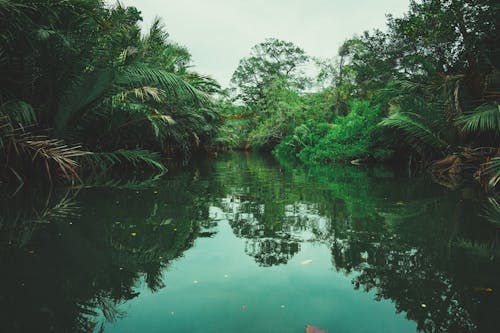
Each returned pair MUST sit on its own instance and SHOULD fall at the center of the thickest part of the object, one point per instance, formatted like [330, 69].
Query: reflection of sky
[300, 220]
[219, 33]
[233, 294]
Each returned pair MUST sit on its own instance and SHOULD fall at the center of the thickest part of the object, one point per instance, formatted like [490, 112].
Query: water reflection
[71, 258]
[403, 239]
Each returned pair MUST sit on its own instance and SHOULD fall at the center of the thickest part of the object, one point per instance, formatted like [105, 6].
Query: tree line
[84, 92]
[424, 92]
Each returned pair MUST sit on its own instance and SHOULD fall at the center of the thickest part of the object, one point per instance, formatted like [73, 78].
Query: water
[241, 243]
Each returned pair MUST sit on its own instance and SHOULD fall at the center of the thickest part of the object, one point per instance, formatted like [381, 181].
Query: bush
[354, 136]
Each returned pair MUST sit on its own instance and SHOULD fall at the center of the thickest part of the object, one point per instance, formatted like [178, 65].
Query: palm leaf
[85, 93]
[414, 128]
[19, 113]
[493, 168]
[137, 157]
[140, 75]
[49, 151]
[483, 119]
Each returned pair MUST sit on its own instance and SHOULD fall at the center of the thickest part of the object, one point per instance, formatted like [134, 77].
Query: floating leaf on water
[400, 203]
[423, 305]
[488, 290]
[166, 222]
[133, 234]
[314, 329]
[117, 222]
[156, 192]
[306, 262]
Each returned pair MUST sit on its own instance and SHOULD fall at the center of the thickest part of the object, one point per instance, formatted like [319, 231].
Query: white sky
[218, 33]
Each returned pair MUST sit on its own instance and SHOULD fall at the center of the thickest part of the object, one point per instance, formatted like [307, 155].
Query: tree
[273, 59]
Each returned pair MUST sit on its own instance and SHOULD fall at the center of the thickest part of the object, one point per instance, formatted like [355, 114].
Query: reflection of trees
[398, 238]
[71, 270]
[64, 266]
[415, 264]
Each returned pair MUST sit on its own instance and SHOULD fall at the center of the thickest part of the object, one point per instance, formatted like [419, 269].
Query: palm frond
[19, 113]
[137, 157]
[85, 93]
[143, 94]
[415, 129]
[141, 75]
[485, 118]
[493, 169]
[492, 211]
[48, 150]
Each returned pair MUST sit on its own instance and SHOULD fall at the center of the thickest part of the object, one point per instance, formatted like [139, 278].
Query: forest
[138, 193]
[84, 92]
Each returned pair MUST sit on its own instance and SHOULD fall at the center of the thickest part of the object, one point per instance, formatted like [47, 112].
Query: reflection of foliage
[412, 242]
[73, 270]
[405, 240]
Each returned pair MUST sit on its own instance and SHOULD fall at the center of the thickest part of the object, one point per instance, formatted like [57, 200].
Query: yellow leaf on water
[306, 262]
[314, 329]
[133, 234]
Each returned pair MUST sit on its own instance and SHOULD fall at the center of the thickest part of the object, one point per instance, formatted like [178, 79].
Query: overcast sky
[218, 33]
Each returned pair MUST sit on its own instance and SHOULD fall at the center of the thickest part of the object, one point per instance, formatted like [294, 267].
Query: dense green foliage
[83, 91]
[425, 89]
[354, 136]
[82, 87]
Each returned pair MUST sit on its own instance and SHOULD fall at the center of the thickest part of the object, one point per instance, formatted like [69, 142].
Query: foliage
[80, 85]
[355, 136]
[270, 60]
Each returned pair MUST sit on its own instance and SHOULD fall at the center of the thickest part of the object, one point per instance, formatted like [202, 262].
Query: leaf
[314, 329]
[306, 262]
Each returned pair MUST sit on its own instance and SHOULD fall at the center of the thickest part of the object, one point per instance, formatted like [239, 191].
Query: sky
[218, 33]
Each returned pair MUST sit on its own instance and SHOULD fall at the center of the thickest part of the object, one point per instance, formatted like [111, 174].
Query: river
[241, 243]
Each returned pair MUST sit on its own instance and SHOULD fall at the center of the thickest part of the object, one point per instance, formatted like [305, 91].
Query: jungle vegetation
[424, 92]
[85, 93]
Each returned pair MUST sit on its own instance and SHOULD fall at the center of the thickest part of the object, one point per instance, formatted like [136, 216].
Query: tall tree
[270, 60]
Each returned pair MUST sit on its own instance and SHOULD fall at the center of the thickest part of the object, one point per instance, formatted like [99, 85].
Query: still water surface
[242, 244]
